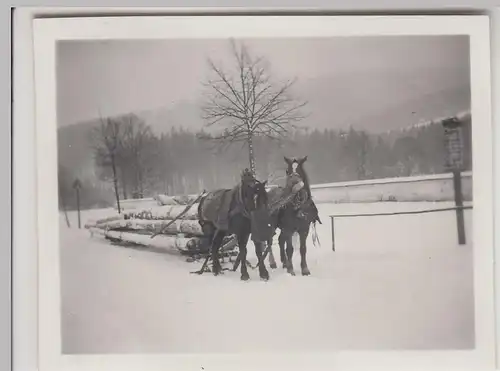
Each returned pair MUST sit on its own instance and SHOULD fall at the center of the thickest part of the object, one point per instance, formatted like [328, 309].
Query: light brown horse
[295, 216]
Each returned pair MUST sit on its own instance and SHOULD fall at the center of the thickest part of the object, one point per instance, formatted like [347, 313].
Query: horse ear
[303, 159]
[265, 182]
[287, 160]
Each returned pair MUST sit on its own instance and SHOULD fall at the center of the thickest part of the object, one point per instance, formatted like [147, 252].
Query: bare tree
[248, 103]
[407, 150]
[106, 141]
[364, 150]
[138, 152]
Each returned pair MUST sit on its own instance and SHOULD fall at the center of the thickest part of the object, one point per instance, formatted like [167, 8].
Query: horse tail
[200, 206]
[316, 213]
[315, 237]
[201, 219]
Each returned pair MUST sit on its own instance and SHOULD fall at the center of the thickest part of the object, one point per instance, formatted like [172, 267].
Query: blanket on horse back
[216, 207]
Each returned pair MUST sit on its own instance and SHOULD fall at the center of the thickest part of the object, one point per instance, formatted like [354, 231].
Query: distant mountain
[375, 101]
[388, 99]
[185, 114]
[413, 111]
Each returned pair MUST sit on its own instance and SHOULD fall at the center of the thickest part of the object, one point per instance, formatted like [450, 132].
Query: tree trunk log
[186, 227]
[168, 243]
[167, 212]
[98, 222]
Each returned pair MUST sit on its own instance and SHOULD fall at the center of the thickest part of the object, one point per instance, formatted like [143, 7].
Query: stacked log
[167, 212]
[188, 227]
[190, 246]
[180, 233]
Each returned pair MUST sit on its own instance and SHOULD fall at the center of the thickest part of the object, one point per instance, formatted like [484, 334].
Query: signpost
[77, 185]
[454, 162]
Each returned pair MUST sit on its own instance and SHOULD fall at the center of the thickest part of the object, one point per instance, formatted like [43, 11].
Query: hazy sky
[113, 77]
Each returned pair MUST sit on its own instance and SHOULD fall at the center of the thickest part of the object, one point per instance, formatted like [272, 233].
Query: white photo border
[48, 31]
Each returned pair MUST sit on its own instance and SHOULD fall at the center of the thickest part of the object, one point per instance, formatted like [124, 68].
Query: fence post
[459, 204]
[63, 206]
[77, 185]
[332, 218]
[453, 142]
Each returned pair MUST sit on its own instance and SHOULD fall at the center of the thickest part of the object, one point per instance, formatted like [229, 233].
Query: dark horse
[242, 210]
[294, 216]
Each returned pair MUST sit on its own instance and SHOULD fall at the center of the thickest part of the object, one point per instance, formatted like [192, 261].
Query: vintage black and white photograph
[266, 194]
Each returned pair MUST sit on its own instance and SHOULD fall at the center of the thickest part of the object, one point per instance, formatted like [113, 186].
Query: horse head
[247, 177]
[296, 175]
[255, 198]
[259, 194]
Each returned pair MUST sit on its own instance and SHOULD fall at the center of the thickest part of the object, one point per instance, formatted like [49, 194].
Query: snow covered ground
[394, 282]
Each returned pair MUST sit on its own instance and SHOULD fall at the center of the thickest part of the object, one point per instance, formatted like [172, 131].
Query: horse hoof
[292, 273]
[273, 266]
[306, 272]
[245, 277]
[264, 276]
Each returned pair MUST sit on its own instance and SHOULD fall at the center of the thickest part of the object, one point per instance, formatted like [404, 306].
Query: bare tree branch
[106, 142]
[247, 102]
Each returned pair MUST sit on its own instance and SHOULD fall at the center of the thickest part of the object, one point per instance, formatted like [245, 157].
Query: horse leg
[242, 245]
[216, 243]
[303, 251]
[264, 274]
[282, 241]
[289, 254]
[272, 260]
[269, 250]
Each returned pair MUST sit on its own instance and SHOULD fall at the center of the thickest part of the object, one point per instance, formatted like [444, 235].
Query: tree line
[133, 162]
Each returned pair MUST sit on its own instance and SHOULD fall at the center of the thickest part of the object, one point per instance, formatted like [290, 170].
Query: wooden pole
[332, 218]
[66, 216]
[78, 206]
[77, 185]
[459, 203]
[454, 162]
[115, 183]
[63, 206]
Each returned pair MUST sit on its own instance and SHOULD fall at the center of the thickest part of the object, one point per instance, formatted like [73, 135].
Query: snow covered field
[394, 282]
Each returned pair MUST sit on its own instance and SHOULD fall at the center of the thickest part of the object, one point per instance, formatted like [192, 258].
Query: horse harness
[240, 203]
[303, 205]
